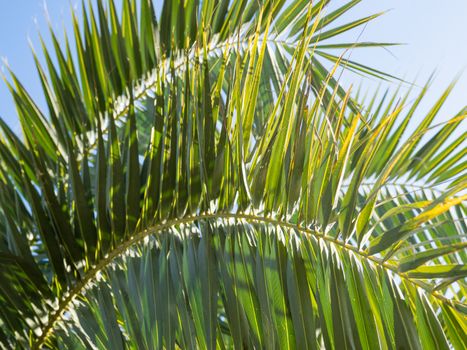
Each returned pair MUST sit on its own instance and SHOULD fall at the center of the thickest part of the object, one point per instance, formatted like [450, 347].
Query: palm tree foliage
[201, 180]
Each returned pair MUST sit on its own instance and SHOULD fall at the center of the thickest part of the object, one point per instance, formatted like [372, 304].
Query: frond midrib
[147, 83]
[122, 247]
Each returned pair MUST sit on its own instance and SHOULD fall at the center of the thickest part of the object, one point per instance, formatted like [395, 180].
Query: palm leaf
[183, 196]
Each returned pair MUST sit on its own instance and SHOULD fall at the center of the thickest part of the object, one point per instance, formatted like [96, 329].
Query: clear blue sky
[436, 38]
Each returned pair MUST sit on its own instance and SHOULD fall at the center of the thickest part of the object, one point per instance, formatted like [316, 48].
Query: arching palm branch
[204, 182]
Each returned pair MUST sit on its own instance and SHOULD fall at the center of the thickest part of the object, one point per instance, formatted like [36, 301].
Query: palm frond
[238, 198]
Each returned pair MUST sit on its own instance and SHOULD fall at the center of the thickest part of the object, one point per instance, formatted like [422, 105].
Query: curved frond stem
[148, 83]
[64, 304]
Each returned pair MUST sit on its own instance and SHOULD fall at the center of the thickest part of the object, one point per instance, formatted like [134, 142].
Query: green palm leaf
[204, 183]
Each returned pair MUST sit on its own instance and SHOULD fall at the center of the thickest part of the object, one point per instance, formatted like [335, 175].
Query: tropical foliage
[202, 180]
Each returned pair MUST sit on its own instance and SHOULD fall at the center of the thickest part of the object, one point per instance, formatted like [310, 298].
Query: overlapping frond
[115, 52]
[233, 201]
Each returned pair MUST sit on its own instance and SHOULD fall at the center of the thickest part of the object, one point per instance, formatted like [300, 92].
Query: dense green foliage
[201, 180]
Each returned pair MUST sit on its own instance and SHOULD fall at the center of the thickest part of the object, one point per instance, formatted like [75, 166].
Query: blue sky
[435, 37]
